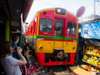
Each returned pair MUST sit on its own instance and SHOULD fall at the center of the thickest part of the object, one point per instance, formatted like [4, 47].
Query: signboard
[97, 7]
[91, 30]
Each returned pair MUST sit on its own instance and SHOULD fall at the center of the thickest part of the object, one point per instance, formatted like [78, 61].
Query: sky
[69, 5]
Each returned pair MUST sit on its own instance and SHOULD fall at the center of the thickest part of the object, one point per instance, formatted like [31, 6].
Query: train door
[70, 45]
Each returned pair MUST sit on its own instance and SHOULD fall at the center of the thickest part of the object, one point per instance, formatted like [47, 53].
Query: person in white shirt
[11, 64]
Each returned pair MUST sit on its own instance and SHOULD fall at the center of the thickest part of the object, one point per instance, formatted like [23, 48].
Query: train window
[58, 26]
[45, 25]
[71, 29]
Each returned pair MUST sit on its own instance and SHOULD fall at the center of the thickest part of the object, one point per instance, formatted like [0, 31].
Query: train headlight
[68, 30]
[60, 11]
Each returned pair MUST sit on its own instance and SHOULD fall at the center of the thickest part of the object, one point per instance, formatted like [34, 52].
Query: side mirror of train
[80, 11]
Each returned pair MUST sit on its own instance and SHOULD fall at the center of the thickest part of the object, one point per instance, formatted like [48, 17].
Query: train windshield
[71, 29]
[59, 26]
[45, 25]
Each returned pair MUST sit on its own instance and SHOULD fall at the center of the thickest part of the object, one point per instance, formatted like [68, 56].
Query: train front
[56, 36]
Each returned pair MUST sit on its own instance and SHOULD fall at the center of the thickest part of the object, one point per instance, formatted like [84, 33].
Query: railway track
[57, 70]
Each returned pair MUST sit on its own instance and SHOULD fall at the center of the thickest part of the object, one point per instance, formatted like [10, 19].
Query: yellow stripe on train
[47, 46]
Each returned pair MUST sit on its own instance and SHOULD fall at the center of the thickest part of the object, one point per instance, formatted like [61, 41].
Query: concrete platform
[64, 73]
[80, 71]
